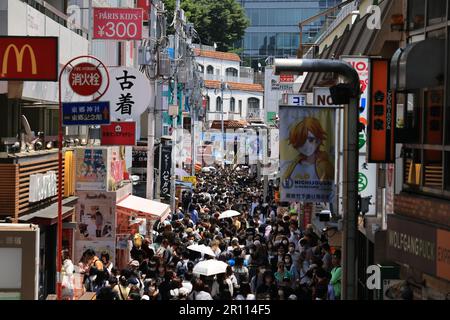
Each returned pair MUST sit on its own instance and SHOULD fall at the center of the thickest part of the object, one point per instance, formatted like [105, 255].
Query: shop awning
[153, 210]
[49, 215]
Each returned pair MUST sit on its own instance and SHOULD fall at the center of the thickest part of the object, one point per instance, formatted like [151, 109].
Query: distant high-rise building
[274, 30]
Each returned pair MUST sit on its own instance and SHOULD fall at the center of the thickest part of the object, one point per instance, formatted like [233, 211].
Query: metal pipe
[351, 155]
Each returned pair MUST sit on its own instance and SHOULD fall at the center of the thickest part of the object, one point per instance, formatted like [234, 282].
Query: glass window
[232, 105]
[436, 11]
[218, 104]
[433, 174]
[263, 19]
[433, 116]
[240, 107]
[416, 14]
[210, 70]
[231, 72]
[208, 104]
[253, 103]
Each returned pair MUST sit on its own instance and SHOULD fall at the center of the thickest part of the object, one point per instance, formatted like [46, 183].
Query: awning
[150, 209]
[49, 215]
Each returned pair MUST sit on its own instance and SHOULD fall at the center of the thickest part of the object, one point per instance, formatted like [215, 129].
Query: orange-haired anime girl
[311, 164]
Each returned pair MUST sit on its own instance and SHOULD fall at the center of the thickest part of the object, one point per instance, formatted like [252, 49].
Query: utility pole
[222, 87]
[351, 157]
[175, 102]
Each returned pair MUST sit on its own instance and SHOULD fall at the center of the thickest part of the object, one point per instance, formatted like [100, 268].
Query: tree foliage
[220, 21]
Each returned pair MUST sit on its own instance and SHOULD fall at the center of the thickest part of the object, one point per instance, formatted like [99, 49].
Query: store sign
[443, 254]
[294, 99]
[128, 92]
[119, 134]
[190, 179]
[29, 58]
[42, 186]
[86, 113]
[362, 67]
[381, 147]
[118, 23]
[139, 157]
[322, 97]
[145, 6]
[85, 79]
[286, 78]
[411, 243]
[166, 167]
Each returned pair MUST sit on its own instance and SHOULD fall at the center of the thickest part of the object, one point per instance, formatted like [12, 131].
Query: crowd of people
[269, 254]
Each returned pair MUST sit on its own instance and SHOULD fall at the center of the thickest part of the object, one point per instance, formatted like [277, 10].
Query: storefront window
[416, 14]
[412, 167]
[433, 116]
[436, 11]
[433, 172]
[447, 171]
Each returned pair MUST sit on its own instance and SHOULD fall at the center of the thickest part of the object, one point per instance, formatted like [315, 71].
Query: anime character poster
[307, 154]
[91, 165]
[95, 214]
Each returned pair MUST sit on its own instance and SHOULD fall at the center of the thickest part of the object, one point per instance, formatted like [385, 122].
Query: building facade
[274, 30]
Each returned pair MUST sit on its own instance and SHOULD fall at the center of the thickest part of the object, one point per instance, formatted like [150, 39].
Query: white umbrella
[229, 214]
[202, 249]
[210, 267]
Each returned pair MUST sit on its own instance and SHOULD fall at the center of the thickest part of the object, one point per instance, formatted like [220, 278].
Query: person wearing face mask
[258, 279]
[307, 137]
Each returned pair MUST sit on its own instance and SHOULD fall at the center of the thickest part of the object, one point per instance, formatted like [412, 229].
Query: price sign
[118, 23]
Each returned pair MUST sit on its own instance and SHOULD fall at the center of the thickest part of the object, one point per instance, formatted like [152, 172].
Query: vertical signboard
[381, 114]
[166, 165]
[367, 172]
[307, 151]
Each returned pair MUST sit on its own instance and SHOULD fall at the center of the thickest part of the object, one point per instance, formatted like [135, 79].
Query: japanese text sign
[128, 93]
[119, 134]
[139, 156]
[29, 58]
[118, 23]
[286, 78]
[166, 165]
[381, 114]
[86, 113]
[85, 79]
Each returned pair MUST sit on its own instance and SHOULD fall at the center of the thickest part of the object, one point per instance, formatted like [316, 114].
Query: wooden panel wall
[9, 190]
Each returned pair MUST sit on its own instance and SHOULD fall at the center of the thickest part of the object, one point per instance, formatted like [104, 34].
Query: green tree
[223, 22]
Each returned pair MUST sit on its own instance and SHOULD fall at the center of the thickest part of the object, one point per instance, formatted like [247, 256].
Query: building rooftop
[252, 87]
[217, 55]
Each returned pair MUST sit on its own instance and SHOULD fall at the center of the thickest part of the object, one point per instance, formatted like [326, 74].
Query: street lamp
[351, 155]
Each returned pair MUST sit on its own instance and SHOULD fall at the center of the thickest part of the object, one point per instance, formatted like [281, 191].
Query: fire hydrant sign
[118, 23]
[85, 79]
[119, 134]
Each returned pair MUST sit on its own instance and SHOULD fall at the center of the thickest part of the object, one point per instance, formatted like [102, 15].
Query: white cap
[145, 297]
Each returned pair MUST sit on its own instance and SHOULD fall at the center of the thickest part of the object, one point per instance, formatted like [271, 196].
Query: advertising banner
[29, 58]
[307, 152]
[119, 134]
[91, 169]
[98, 246]
[118, 23]
[95, 214]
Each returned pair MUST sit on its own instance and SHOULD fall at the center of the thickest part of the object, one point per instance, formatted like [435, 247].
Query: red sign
[381, 123]
[85, 79]
[119, 134]
[29, 58]
[286, 78]
[144, 5]
[118, 23]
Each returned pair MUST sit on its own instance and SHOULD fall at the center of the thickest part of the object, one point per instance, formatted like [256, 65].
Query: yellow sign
[191, 179]
[19, 58]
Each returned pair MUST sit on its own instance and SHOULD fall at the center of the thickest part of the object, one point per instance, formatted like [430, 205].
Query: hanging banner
[128, 93]
[118, 23]
[29, 58]
[166, 166]
[119, 134]
[307, 149]
[381, 147]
